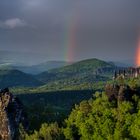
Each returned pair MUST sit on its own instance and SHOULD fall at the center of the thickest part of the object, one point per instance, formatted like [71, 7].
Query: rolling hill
[86, 74]
[92, 69]
[79, 75]
[16, 78]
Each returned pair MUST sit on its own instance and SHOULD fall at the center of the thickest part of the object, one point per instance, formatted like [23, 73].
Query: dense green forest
[112, 114]
[51, 106]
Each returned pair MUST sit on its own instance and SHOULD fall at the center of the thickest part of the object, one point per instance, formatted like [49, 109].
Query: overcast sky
[105, 29]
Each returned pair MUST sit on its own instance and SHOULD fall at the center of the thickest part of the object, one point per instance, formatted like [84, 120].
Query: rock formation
[127, 73]
[12, 115]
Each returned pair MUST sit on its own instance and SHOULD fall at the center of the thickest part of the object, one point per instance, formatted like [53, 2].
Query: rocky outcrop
[120, 92]
[12, 115]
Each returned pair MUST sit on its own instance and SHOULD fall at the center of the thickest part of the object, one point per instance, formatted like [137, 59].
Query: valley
[51, 96]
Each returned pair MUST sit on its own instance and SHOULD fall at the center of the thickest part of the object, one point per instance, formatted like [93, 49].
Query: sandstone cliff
[11, 116]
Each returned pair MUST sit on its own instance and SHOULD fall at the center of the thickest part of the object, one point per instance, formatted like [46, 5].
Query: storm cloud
[104, 29]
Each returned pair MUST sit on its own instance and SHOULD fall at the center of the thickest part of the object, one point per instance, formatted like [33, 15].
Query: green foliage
[47, 132]
[135, 127]
[103, 120]
[134, 82]
[61, 86]
[22, 132]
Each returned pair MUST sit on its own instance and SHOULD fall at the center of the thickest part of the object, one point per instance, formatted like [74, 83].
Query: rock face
[11, 116]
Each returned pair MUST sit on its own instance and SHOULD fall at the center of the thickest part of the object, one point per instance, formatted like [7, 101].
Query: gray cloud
[12, 23]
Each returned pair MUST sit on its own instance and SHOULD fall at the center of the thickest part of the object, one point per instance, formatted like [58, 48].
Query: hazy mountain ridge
[35, 69]
[16, 78]
[86, 71]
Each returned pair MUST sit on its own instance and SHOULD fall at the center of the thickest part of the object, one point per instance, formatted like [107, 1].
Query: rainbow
[70, 36]
[137, 61]
[70, 42]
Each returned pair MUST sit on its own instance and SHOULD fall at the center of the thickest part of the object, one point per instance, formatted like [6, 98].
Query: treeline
[61, 86]
[106, 116]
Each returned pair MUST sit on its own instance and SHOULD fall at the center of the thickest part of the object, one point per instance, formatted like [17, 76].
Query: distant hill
[121, 64]
[82, 73]
[35, 69]
[14, 78]
[86, 70]
[6, 66]
[125, 63]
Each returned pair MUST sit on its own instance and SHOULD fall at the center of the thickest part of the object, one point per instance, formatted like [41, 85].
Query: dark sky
[105, 29]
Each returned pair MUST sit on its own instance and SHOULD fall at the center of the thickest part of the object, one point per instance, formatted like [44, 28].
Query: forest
[110, 114]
